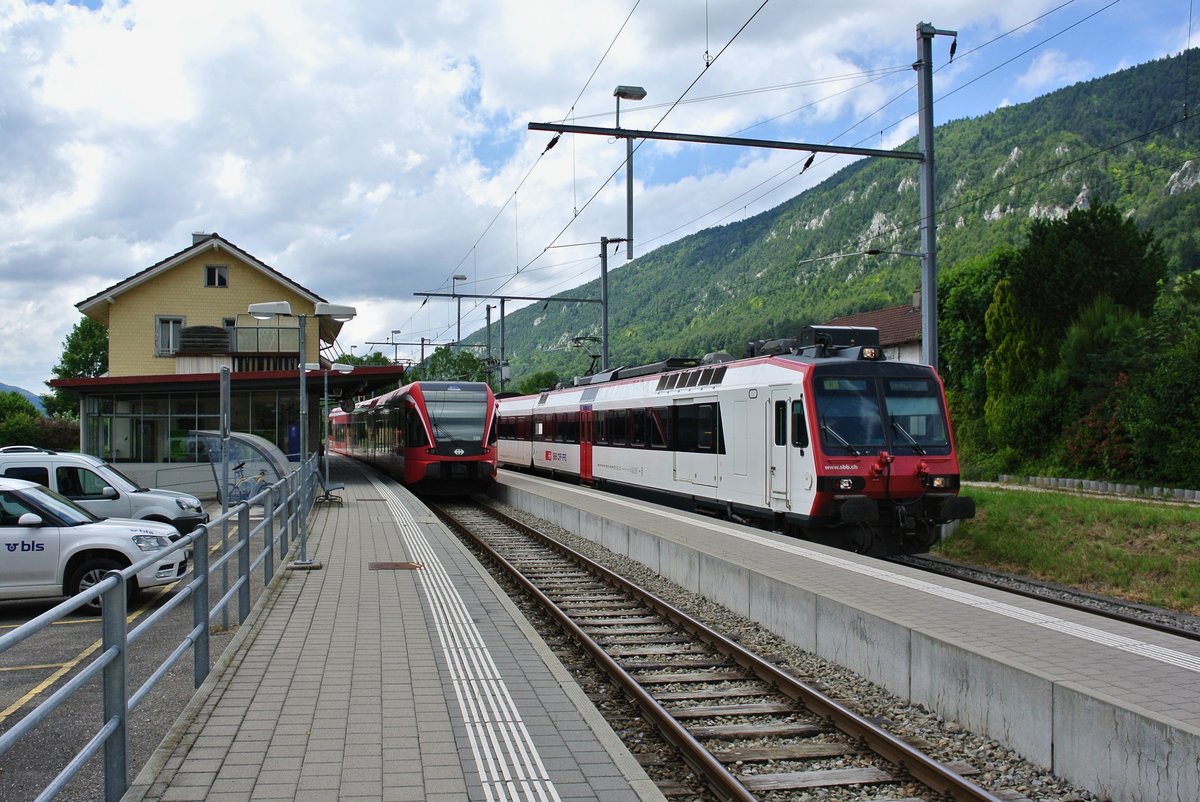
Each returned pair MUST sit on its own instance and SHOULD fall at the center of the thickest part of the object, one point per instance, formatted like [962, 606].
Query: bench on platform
[329, 491]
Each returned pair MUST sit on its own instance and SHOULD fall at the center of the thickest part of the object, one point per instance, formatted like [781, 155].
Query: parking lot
[41, 665]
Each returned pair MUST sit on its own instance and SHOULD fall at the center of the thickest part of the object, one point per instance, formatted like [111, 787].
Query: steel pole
[924, 67]
[604, 303]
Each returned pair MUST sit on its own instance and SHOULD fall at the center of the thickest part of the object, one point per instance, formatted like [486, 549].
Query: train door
[697, 441]
[777, 447]
[585, 444]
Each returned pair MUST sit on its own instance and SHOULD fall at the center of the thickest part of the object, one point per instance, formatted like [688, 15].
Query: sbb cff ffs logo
[24, 546]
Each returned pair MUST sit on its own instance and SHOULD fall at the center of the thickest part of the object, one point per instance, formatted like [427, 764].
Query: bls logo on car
[32, 546]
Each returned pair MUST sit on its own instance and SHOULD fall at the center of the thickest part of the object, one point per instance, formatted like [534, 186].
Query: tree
[445, 364]
[85, 356]
[376, 359]
[18, 420]
[537, 382]
[1065, 264]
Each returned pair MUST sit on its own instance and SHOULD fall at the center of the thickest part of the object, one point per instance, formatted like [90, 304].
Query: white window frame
[219, 275]
[168, 330]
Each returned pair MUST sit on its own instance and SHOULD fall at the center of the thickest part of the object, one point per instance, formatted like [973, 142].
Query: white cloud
[396, 147]
[1052, 69]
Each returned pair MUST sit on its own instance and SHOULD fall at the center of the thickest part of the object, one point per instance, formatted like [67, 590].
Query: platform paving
[358, 680]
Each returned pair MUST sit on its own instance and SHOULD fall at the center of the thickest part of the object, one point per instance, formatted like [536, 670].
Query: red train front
[433, 437]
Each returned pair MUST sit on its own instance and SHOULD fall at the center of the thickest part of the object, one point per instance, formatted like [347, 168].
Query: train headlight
[943, 482]
[871, 352]
[845, 484]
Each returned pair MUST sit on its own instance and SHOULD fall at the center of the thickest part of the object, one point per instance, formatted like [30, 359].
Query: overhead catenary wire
[530, 265]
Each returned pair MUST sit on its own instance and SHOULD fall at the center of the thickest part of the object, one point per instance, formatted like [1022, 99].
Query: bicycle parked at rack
[244, 487]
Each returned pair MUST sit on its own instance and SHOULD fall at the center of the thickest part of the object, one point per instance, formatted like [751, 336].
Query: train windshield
[864, 415]
[457, 415]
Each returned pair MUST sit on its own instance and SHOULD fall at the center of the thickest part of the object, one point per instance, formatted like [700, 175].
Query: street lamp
[340, 368]
[628, 93]
[454, 291]
[395, 347]
[266, 311]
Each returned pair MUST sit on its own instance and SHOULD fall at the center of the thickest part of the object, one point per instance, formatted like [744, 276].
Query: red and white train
[433, 437]
[821, 438]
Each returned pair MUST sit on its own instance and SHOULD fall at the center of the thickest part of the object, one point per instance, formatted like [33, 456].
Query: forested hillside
[1119, 139]
[1069, 284]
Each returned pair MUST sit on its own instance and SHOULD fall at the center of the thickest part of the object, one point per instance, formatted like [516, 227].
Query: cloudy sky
[372, 150]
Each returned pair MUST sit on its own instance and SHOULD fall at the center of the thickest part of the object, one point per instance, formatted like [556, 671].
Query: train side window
[658, 421]
[799, 427]
[618, 426]
[781, 423]
[637, 428]
[414, 432]
[707, 428]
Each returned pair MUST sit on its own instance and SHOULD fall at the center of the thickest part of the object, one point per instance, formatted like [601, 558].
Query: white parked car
[100, 487]
[51, 546]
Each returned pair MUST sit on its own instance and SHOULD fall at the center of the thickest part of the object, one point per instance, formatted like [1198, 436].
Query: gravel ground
[1000, 768]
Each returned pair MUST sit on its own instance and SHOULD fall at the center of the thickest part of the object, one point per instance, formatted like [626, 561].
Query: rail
[286, 505]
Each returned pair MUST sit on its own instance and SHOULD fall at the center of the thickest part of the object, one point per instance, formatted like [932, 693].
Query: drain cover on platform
[395, 566]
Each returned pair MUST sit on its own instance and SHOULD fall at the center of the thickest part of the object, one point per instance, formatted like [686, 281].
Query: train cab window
[799, 427]
[781, 421]
[849, 416]
[915, 416]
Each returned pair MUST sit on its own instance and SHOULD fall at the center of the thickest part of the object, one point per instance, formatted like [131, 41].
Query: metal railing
[286, 505]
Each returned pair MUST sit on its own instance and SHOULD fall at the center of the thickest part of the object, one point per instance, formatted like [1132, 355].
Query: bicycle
[244, 488]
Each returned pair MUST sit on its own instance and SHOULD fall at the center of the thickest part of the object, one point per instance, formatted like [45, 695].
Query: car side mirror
[109, 491]
[29, 519]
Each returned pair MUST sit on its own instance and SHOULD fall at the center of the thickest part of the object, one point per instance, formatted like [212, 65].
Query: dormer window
[216, 276]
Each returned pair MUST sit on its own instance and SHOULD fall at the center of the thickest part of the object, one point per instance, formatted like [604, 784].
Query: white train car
[824, 439]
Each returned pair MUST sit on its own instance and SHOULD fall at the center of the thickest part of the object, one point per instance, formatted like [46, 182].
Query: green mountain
[1123, 139]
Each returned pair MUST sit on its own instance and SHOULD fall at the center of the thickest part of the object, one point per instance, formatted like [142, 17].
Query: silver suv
[50, 546]
[100, 487]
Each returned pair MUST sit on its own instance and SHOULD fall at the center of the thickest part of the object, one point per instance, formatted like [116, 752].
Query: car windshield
[63, 509]
[132, 484]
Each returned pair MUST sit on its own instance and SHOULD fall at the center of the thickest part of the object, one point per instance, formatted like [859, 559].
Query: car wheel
[90, 573]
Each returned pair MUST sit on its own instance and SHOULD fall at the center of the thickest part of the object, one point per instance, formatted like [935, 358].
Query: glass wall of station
[153, 427]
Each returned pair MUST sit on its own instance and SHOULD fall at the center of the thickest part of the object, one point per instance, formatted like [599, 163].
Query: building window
[167, 333]
[216, 276]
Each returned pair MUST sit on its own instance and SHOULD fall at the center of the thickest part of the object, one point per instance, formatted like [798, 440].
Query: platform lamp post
[628, 93]
[266, 311]
[454, 291]
[340, 368]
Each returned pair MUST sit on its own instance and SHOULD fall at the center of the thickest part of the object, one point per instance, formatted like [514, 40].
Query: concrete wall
[1117, 751]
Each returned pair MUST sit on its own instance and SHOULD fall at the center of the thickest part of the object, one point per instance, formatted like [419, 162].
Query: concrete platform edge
[1101, 743]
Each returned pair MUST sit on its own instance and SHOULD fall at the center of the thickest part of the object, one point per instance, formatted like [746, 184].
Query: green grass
[1142, 551]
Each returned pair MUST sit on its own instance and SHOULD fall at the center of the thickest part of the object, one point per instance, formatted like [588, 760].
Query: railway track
[1183, 626]
[745, 728]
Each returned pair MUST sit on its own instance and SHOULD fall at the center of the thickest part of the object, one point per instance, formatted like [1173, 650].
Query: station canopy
[254, 453]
